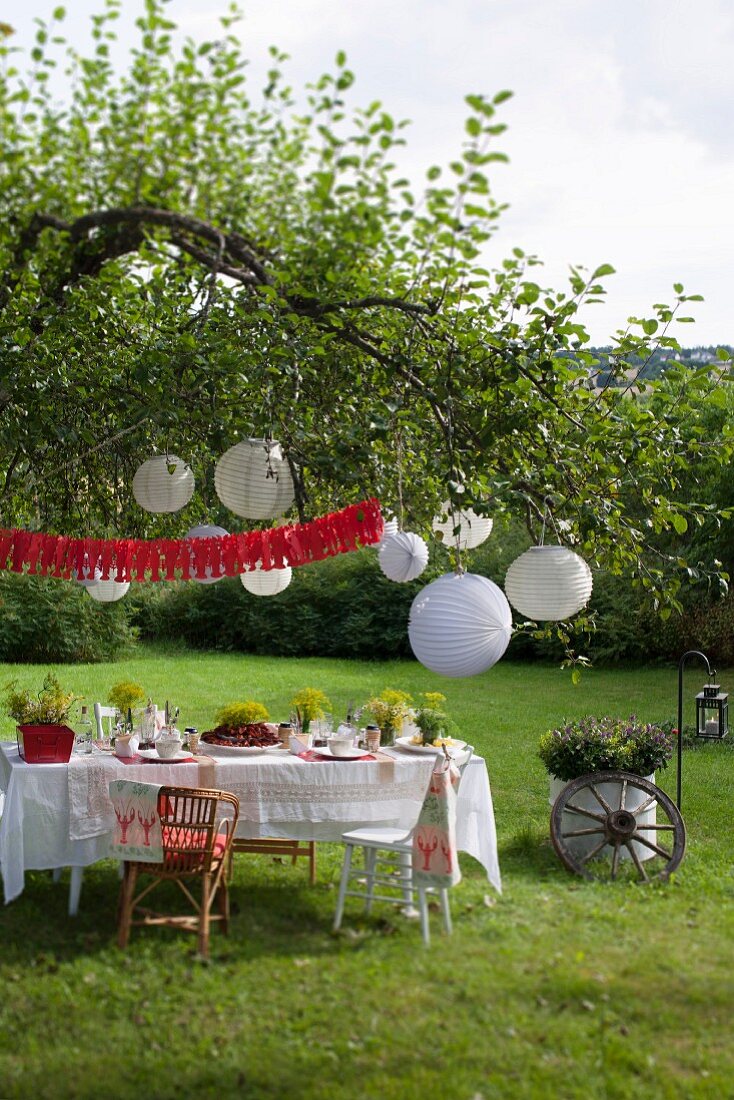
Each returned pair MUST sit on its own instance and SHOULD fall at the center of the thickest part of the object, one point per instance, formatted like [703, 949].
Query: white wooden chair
[388, 864]
[104, 718]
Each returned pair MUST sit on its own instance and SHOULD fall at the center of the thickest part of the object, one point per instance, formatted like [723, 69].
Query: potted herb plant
[588, 745]
[43, 736]
[434, 725]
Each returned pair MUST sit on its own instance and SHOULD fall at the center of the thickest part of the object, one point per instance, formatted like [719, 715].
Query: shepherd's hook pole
[681, 666]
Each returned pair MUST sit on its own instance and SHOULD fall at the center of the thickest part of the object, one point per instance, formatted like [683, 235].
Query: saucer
[150, 756]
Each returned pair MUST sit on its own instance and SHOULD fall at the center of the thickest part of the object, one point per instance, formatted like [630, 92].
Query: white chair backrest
[466, 755]
[100, 712]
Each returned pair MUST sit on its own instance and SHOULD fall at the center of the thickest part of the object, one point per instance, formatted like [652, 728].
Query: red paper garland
[172, 559]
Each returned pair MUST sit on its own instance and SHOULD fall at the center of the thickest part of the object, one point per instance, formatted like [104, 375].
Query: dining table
[60, 815]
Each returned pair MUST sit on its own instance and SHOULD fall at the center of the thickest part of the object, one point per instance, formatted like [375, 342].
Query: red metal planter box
[45, 744]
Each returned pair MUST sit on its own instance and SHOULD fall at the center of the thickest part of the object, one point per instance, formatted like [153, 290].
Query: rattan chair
[197, 829]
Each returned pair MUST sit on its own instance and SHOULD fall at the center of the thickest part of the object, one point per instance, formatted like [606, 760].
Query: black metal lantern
[712, 713]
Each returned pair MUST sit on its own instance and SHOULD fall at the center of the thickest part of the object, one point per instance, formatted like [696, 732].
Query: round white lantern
[108, 591]
[548, 582]
[87, 577]
[473, 529]
[266, 582]
[403, 556]
[460, 625]
[205, 531]
[164, 483]
[253, 479]
[391, 528]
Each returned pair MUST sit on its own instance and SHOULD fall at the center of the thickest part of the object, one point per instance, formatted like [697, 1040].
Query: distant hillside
[659, 361]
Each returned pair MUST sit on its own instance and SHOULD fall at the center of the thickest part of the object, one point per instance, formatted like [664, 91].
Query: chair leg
[346, 867]
[75, 890]
[312, 862]
[206, 900]
[423, 909]
[406, 866]
[370, 861]
[223, 903]
[127, 894]
[446, 910]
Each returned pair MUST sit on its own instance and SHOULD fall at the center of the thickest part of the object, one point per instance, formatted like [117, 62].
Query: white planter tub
[581, 845]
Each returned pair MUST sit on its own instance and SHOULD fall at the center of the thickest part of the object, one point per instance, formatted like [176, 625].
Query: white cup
[341, 746]
[167, 747]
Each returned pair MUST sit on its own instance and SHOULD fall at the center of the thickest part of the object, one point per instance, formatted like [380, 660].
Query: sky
[621, 127]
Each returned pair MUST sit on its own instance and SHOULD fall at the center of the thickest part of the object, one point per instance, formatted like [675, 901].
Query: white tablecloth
[58, 815]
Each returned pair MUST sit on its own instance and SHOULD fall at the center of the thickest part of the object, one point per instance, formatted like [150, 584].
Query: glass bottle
[84, 734]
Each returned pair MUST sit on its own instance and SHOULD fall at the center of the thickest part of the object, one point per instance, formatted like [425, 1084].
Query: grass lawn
[559, 988]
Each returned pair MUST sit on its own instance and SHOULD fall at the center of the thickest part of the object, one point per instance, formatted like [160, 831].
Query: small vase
[387, 735]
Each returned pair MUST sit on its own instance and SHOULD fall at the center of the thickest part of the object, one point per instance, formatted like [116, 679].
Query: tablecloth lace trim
[259, 792]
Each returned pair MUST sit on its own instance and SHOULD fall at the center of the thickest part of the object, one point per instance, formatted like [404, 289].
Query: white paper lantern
[87, 577]
[108, 591]
[253, 479]
[266, 582]
[391, 528]
[460, 625]
[164, 483]
[548, 583]
[473, 529]
[205, 531]
[403, 556]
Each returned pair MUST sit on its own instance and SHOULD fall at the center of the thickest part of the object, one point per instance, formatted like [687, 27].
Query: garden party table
[60, 815]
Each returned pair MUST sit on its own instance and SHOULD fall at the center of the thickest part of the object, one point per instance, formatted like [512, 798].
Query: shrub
[49, 621]
[605, 744]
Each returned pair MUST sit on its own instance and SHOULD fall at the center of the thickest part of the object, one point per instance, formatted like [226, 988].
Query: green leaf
[605, 269]
[680, 523]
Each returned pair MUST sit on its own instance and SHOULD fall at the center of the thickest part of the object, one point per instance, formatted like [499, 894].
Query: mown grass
[558, 988]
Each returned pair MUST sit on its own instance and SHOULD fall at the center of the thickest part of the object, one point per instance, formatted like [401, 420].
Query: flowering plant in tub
[592, 744]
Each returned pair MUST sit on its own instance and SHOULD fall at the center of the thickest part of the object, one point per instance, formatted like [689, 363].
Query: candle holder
[712, 713]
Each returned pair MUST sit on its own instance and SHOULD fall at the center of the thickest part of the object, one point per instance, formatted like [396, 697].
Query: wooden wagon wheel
[619, 827]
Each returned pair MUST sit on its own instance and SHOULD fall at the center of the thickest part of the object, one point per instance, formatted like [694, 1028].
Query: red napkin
[314, 754]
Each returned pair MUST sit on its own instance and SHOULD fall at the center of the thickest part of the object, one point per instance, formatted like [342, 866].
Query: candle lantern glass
[712, 713]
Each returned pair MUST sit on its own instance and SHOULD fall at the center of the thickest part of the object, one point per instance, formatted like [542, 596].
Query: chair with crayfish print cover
[185, 835]
[402, 863]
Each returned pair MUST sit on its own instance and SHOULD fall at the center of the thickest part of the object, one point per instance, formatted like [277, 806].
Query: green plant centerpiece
[310, 704]
[592, 744]
[389, 708]
[49, 707]
[434, 725]
[236, 715]
[241, 725]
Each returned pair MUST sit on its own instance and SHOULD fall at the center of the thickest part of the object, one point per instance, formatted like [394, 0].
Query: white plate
[152, 756]
[233, 750]
[278, 750]
[353, 754]
[407, 744]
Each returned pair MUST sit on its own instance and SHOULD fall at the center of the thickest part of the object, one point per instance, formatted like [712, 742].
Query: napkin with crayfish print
[136, 833]
[435, 860]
